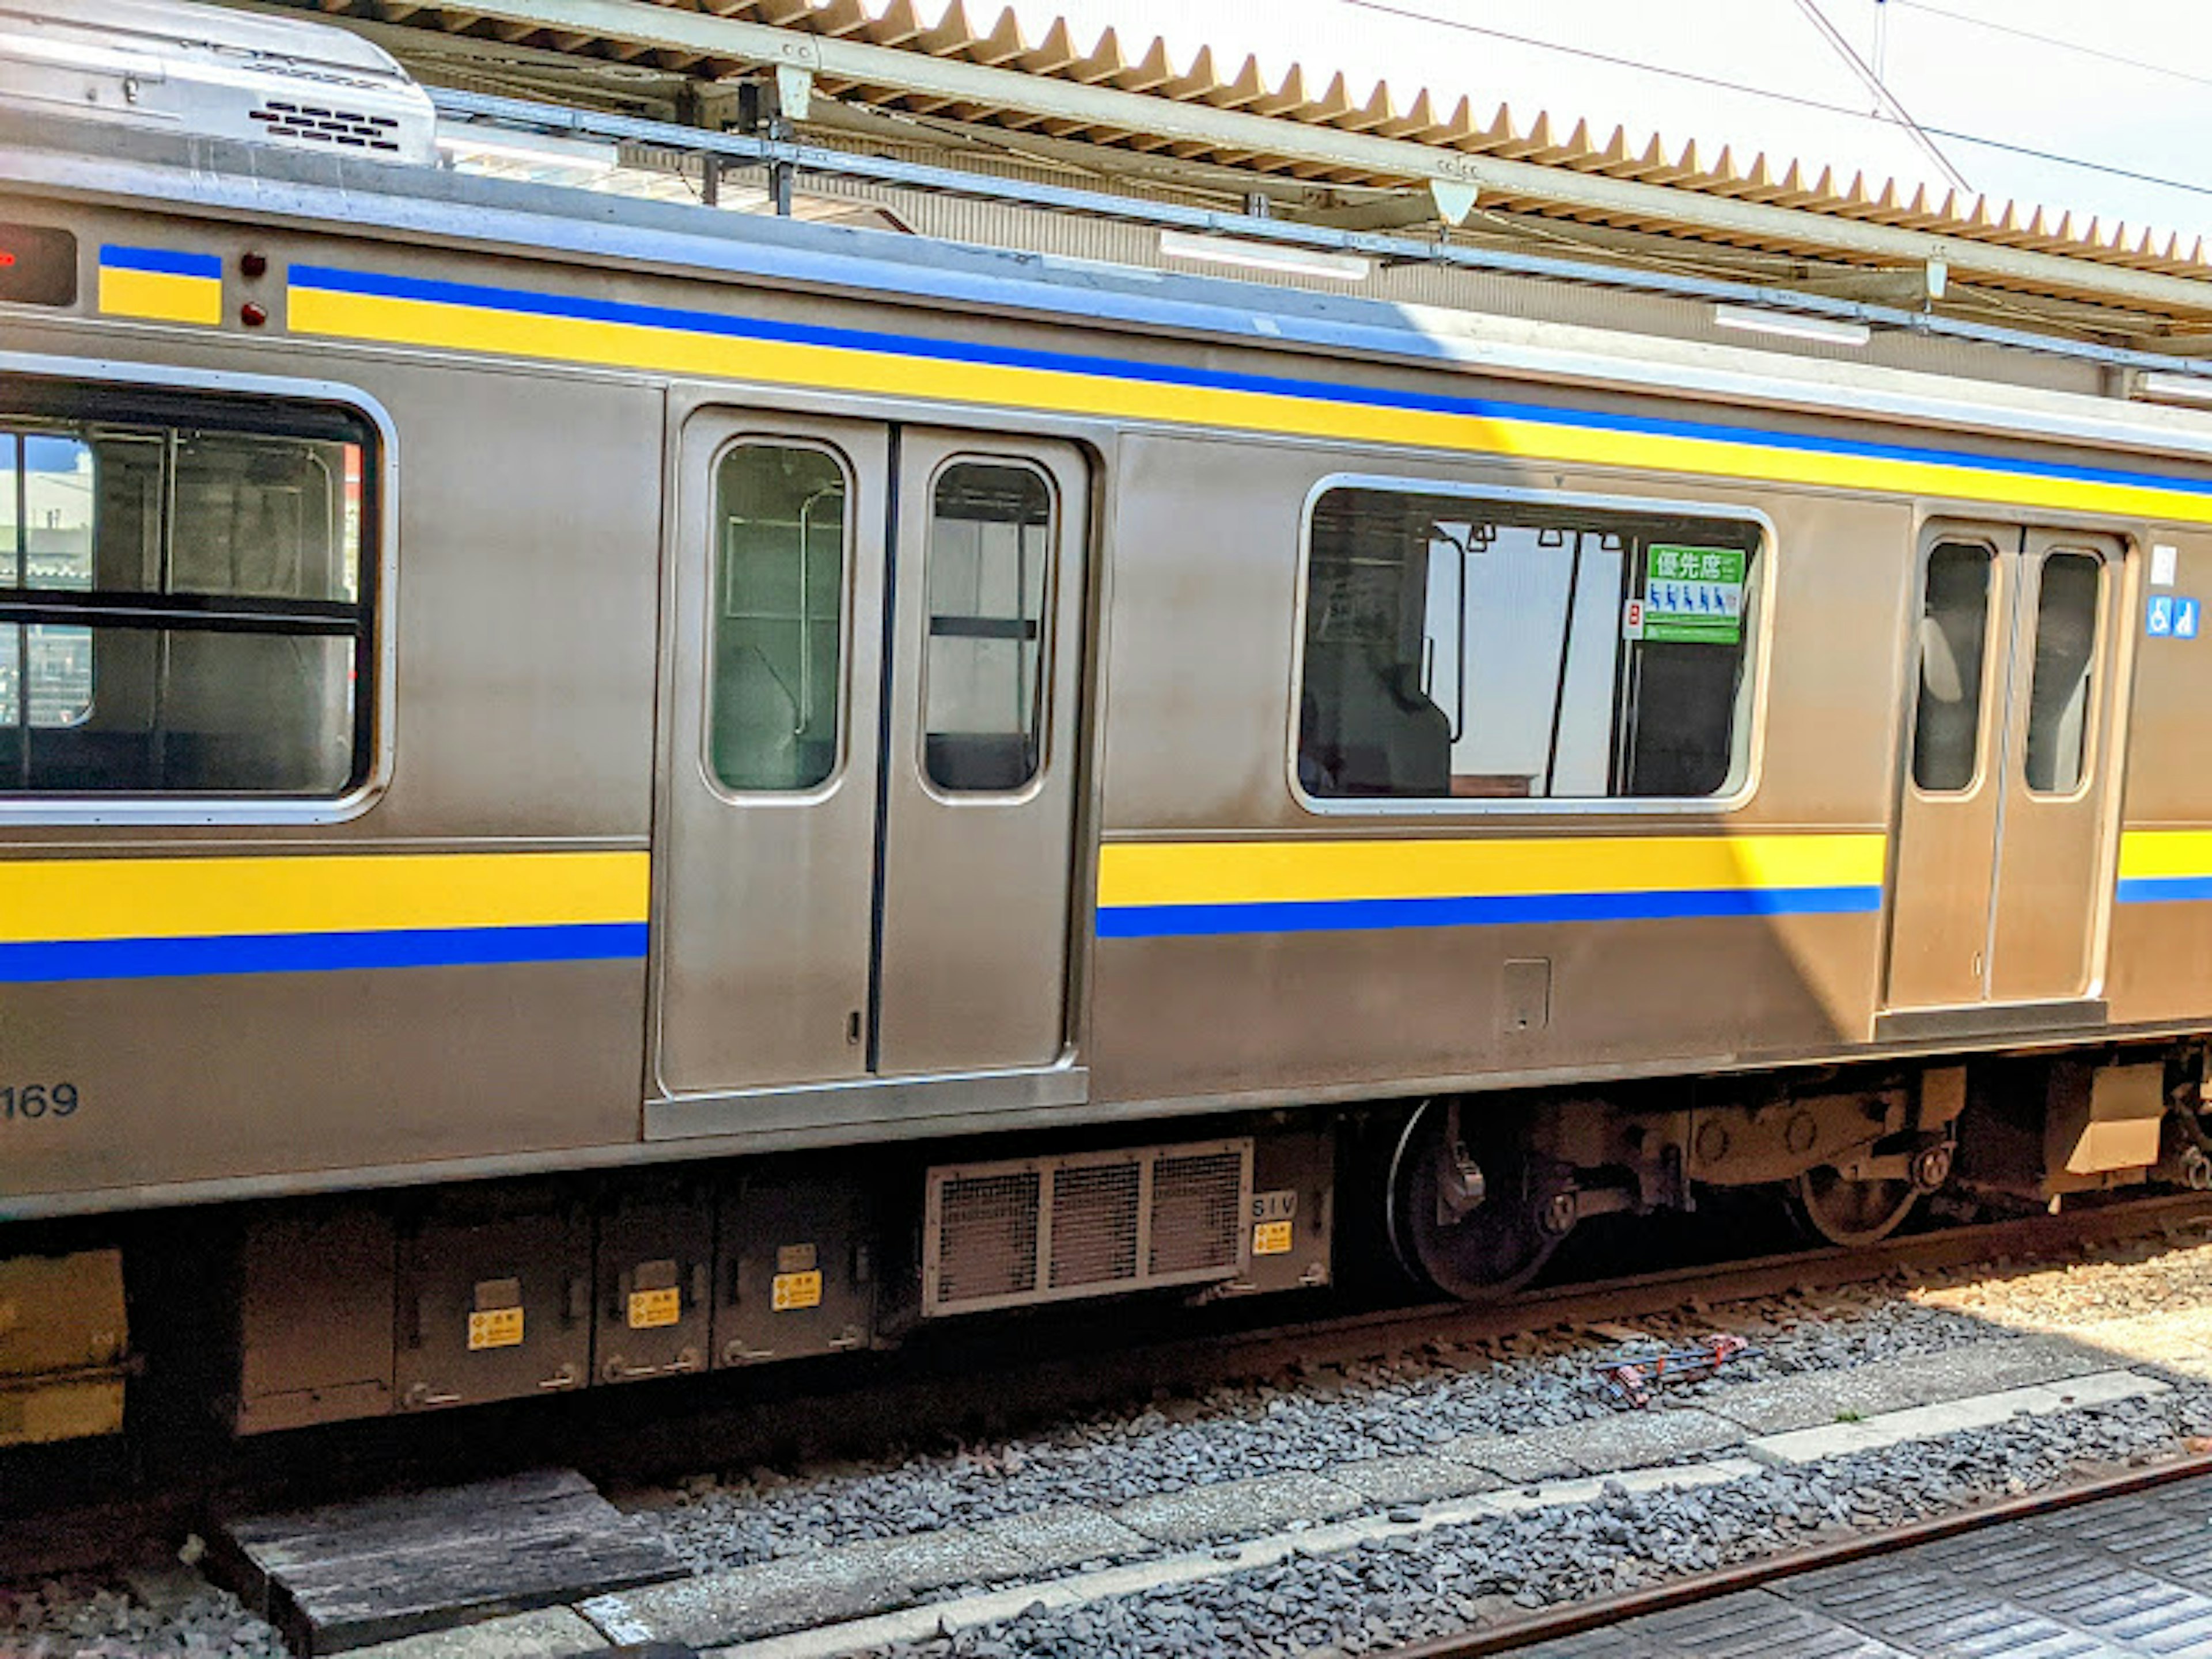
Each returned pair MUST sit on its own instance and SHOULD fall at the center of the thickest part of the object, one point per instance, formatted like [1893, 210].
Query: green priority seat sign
[1693, 595]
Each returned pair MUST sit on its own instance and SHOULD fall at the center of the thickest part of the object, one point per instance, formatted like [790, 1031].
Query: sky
[2123, 84]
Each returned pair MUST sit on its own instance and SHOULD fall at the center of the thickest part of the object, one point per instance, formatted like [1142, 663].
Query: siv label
[1280, 1205]
[1692, 595]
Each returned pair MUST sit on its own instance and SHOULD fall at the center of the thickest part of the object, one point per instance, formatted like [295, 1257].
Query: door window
[777, 679]
[1954, 631]
[990, 552]
[2066, 608]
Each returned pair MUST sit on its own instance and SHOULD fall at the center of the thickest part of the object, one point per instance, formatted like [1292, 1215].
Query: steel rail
[1623, 1605]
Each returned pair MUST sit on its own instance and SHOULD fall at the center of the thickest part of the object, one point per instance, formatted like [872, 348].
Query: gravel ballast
[1413, 1404]
[1447, 1579]
[87, 1617]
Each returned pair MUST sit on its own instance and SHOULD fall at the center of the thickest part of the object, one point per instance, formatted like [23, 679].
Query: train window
[1463, 649]
[2067, 606]
[45, 541]
[990, 564]
[776, 688]
[183, 604]
[1947, 722]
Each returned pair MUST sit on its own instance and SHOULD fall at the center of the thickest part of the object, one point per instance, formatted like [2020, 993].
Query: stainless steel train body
[571, 767]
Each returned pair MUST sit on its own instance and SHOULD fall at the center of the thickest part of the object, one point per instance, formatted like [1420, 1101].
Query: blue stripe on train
[332, 279]
[48, 961]
[115, 257]
[2164, 890]
[1344, 915]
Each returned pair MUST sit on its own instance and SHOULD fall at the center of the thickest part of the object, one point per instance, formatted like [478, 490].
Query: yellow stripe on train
[2154, 854]
[160, 295]
[675, 350]
[1294, 872]
[188, 895]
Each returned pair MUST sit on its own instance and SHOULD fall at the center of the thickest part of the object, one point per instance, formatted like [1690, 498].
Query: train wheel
[1850, 1211]
[1479, 1251]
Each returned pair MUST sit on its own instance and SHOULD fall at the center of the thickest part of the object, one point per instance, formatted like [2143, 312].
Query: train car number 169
[33, 1101]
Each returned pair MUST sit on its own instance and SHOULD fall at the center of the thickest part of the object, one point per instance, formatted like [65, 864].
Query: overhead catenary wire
[2054, 157]
[1884, 97]
[1411, 13]
[2057, 42]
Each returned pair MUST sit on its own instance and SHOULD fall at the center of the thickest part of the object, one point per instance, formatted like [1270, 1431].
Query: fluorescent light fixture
[2162, 386]
[1264, 256]
[474, 146]
[1793, 325]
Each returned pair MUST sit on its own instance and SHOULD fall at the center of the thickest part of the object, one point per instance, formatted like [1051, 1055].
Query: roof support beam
[641, 24]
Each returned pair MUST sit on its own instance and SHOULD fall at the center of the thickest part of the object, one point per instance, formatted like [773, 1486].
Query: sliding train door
[768, 831]
[2002, 872]
[867, 841]
[979, 781]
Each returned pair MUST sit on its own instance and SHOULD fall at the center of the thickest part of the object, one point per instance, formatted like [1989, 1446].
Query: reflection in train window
[990, 563]
[1947, 722]
[2066, 610]
[45, 541]
[1461, 649]
[183, 598]
[776, 686]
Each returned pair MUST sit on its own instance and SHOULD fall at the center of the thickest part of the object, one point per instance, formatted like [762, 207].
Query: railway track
[1557, 1626]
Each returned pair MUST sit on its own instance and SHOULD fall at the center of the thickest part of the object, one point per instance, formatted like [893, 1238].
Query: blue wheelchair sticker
[2186, 613]
[2158, 623]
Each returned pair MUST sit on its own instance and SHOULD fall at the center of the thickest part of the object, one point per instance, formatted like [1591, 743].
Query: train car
[598, 789]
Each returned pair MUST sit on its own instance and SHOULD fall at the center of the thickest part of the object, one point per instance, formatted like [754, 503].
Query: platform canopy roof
[1359, 156]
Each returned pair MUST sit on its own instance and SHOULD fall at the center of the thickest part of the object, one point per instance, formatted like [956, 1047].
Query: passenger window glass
[2066, 610]
[1457, 649]
[46, 542]
[1953, 628]
[224, 646]
[990, 561]
[261, 516]
[777, 673]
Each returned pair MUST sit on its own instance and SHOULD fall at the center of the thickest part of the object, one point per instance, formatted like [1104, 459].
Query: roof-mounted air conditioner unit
[171, 66]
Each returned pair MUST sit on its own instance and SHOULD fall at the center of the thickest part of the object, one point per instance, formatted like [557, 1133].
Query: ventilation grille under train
[1049, 1229]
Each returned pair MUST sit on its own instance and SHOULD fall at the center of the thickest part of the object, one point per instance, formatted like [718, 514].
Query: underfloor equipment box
[495, 1297]
[797, 1272]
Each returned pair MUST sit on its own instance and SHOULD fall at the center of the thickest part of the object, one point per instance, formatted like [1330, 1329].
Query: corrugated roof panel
[1000, 41]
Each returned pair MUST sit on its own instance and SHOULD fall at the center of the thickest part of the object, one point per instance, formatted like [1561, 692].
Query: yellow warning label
[501, 1328]
[650, 1308]
[795, 1291]
[1272, 1238]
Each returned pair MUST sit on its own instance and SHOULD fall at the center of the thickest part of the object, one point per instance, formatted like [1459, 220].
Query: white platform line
[1979, 1411]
